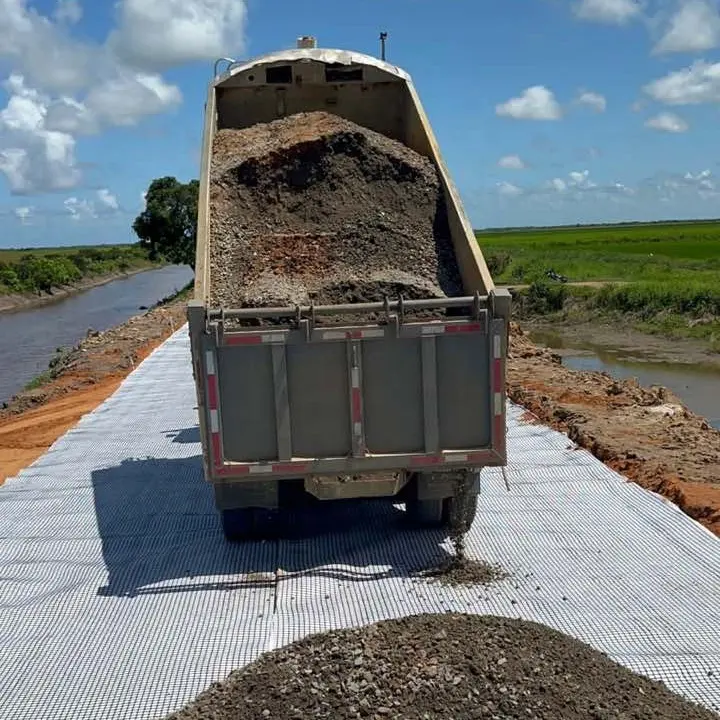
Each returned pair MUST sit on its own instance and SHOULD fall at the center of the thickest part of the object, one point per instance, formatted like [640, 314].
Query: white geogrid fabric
[120, 599]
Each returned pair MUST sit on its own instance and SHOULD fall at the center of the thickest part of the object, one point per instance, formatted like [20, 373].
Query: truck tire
[425, 513]
[468, 513]
[241, 524]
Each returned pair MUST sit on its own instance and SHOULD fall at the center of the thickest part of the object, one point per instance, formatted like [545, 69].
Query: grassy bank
[659, 277]
[39, 270]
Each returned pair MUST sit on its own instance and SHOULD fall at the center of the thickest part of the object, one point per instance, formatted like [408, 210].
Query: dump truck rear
[387, 397]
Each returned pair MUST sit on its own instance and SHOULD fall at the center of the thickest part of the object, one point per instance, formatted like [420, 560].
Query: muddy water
[28, 338]
[697, 385]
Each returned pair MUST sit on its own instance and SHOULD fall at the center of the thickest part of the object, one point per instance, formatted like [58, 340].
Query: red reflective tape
[216, 447]
[229, 470]
[479, 457]
[497, 375]
[356, 405]
[499, 431]
[212, 392]
[466, 328]
[243, 339]
[427, 460]
[289, 467]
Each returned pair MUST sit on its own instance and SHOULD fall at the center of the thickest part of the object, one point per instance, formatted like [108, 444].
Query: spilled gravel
[439, 667]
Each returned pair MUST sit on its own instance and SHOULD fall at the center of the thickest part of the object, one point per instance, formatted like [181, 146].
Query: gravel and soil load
[314, 208]
[439, 667]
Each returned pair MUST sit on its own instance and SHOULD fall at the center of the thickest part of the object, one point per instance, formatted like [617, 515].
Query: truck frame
[388, 406]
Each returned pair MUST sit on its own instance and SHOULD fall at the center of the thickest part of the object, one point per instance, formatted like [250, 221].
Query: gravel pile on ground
[461, 570]
[314, 208]
[439, 667]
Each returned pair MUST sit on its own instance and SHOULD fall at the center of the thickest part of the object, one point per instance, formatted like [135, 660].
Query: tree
[167, 226]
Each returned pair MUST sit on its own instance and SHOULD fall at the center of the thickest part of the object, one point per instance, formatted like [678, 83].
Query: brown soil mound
[443, 667]
[314, 208]
[645, 434]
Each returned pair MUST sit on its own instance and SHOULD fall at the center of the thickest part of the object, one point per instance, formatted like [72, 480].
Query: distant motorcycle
[555, 276]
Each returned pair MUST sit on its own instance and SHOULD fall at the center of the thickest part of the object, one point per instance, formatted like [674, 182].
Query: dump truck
[388, 406]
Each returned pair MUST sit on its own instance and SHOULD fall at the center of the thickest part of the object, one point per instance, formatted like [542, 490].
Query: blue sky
[547, 111]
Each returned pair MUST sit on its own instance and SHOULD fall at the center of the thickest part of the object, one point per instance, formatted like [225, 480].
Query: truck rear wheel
[240, 524]
[425, 513]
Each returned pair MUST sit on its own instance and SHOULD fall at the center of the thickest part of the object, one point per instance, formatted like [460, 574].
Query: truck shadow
[161, 533]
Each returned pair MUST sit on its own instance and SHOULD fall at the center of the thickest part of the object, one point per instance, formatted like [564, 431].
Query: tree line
[41, 272]
[166, 231]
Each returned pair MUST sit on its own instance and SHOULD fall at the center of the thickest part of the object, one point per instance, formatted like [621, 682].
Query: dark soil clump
[315, 209]
[441, 667]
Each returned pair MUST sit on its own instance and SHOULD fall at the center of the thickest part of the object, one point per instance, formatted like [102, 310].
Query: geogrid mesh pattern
[120, 599]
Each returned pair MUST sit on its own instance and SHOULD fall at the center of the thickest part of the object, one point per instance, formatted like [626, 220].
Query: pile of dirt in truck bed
[441, 667]
[314, 208]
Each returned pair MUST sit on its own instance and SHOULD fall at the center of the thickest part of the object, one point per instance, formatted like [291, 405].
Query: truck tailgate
[346, 400]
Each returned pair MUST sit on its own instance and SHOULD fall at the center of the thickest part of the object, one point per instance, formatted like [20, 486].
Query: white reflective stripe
[214, 421]
[273, 338]
[432, 329]
[355, 375]
[456, 458]
[497, 347]
[377, 332]
[210, 362]
[498, 404]
[333, 335]
[357, 429]
[261, 468]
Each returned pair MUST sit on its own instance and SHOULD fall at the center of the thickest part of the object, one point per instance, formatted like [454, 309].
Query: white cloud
[612, 12]
[163, 33]
[593, 100]
[699, 83]
[107, 200]
[35, 158]
[577, 180]
[511, 162]
[667, 122]
[23, 214]
[127, 98]
[534, 103]
[43, 51]
[63, 87]
[80, 209]
[508, 189]
[69, 115]
[68, 11]
[695, 27]
[581, 179]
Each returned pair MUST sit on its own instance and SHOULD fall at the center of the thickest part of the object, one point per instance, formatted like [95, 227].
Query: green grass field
[670, 272]
[12, 255]
[38, 270]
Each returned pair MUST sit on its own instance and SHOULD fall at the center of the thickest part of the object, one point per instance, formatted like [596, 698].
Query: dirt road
[645, 434]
